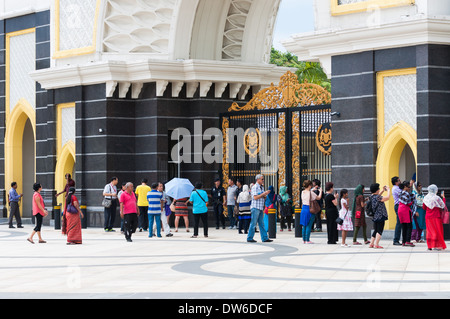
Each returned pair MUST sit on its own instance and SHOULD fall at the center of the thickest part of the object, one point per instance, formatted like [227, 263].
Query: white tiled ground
[223, 265]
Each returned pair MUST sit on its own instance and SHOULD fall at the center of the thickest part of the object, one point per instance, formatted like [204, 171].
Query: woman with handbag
[181, 210]
[380, 214]
[307, 216]
[199, 199]
[358, 213]
[434, 207]
[71, 219]
[345, 224]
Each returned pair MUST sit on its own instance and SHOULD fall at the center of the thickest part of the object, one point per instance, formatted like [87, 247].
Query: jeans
[157, 219]
[110, 215]
[257, 218]
[306, 231]
[230, 215]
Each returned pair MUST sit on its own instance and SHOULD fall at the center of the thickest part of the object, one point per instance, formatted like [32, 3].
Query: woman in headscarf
[71, 219]
[244, 201]
[433, 206]
[358, 213]
[285, 209]
[271, 199]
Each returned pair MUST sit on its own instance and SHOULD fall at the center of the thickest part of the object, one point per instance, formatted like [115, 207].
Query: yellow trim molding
[64, 164]
[60, 54]
[59, 145]
[14, 143]
[65, 154]
[380, 98]
[337, 9]
[388, 160]
[8, 67]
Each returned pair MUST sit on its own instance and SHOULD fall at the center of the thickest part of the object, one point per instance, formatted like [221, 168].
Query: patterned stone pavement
[221, 266]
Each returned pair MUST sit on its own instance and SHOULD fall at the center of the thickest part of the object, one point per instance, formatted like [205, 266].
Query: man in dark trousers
[218, 195]
[14, 199]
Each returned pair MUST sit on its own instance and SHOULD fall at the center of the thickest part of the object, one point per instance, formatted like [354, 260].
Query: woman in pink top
[39, 212]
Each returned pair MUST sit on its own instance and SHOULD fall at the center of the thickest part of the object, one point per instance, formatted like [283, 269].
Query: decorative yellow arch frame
[64, 165]
[15, 126]
[389, 158]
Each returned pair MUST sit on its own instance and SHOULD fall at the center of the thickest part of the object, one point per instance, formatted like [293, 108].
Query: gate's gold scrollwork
[289, 93]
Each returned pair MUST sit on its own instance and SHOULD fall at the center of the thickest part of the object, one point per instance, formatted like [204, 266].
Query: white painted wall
[376, 16]
[12, 8]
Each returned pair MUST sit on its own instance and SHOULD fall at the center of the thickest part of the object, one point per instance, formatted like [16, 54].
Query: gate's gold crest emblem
[323, 138]
[252, 142]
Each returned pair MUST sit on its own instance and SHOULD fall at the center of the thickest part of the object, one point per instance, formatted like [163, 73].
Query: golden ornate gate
[295, 117]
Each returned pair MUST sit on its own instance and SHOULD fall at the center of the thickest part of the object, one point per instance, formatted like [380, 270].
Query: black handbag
[339, 220]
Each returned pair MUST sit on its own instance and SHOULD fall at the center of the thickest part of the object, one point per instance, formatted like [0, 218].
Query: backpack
[369, 208]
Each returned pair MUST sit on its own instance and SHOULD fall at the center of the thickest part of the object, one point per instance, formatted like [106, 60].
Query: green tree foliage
[310, 71]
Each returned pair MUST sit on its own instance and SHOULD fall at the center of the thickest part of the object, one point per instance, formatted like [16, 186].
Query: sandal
[30, 240]
[379, 247]
[42, 242]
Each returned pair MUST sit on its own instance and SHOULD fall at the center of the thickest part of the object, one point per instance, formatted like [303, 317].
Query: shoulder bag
[201, 198]
[71, 209]
[107, 202]
[314, 206]
[173, 207]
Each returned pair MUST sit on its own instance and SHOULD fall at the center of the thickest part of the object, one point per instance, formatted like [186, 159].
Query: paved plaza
[221, 266]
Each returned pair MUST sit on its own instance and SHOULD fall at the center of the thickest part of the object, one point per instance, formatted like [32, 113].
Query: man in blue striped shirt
[155, 207]
[257, 209]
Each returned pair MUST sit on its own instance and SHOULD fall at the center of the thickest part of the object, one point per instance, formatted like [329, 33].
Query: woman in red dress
[433, 206]
[71, 220]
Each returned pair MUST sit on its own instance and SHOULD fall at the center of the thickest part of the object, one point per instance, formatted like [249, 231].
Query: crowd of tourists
[420, 217]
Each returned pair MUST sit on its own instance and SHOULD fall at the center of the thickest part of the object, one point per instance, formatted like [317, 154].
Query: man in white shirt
[110, 193]
[231, 202]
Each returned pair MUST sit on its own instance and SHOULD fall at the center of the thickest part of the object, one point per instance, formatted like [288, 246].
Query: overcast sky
[295, 16]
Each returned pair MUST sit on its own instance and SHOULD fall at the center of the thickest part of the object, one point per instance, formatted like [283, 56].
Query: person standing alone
[14, 199]
[110, 194]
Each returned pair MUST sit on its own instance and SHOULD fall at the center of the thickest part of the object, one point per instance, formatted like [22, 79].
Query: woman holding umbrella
[180, 190]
